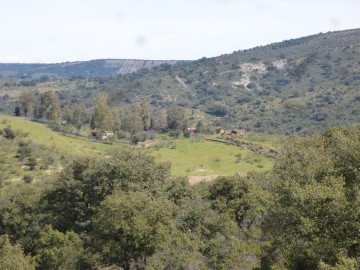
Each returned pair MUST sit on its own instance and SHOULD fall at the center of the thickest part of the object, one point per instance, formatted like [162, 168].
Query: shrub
[28, 178]
[9, 133]
[32, 163]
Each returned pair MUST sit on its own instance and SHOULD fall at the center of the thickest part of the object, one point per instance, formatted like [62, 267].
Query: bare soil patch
[195, 179]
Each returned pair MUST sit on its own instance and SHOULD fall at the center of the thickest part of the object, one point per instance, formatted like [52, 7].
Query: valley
[248, 160]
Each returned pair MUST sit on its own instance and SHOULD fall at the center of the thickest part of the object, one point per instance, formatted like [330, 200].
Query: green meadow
[41, 134]
[192, 157]
[189, 157]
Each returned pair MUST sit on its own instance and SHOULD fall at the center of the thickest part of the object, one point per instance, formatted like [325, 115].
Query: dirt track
[206, 178]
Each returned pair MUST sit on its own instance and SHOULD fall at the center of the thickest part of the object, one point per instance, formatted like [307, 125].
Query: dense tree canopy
[126, 211]
[315, 215]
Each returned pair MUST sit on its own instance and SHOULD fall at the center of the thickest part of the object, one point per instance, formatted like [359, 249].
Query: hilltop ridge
[92, 68]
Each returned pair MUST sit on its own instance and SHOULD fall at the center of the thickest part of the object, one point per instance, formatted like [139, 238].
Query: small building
[101, 135]
[192, 129]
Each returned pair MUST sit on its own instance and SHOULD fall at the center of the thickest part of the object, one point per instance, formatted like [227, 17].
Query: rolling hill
[93, 68]
[300, 86]
[297, 86]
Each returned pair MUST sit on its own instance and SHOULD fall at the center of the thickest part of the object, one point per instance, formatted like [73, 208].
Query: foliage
[101, 118]
[84, 184]
[12, 257]
[177, 118]
[76, 115]
[131, 226]
[68, 145]
[49, 108]
[241, 198]
[19, 215]
[281, 88]
[316, 184]
[9, 133]
[27, 101]
[125, 210]
[57, 250]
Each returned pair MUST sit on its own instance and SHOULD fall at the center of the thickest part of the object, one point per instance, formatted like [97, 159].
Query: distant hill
[297, 86]
[93, 68]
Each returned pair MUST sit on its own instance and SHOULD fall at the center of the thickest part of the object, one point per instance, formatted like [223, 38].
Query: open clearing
[189, 157]
[41, 134]
[197, 157]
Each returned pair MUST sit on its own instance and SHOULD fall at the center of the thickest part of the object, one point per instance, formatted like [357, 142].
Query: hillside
[93, 68]
[300, 86]
[303, 85]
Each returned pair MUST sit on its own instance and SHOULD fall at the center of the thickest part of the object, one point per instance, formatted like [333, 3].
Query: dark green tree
[102, 117]
[49, 108]
[58, 250]
[315, 215]
[83, 185]
[76, 115]
[27, 101]
[177, 118]
[132, 226]
[12, 257]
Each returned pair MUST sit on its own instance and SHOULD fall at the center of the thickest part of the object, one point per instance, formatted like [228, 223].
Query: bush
[9, 133]
[187, 134]
[28, 178]
[219, 110]
[175, 133]
[139, 137]
[32, 163]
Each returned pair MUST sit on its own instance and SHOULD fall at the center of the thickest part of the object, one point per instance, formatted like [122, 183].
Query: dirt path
[181, 82]
[197, 179]
[205, 178]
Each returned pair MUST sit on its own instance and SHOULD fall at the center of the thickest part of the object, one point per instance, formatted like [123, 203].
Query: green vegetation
[70, 202]
[126, 211]
[200, 157]
[68, 144]
[282, 88]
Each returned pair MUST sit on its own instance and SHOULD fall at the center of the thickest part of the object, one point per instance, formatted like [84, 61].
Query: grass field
[199, 157]
[189, 157]
[41, 134]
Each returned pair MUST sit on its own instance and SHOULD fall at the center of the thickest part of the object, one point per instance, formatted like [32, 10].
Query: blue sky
[70, 30]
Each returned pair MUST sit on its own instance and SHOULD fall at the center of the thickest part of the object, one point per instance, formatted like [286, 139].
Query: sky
[49, 31]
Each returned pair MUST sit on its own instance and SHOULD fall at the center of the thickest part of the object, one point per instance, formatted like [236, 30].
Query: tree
[12, 257]
[132, 120]
[159, 120]
[315, 215]
[84, 184]
[145, 114]
[242, 198]
[76, 115]
[132, 226]
[49, 106]
[19, 214]
[102, 117]
[58, 250]
[17, 110]
[177, 118]
[27, 101]
[218, 109]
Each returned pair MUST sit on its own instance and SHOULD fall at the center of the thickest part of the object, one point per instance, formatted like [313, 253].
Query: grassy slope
[189, 157]
[40, 134]
[192, 157]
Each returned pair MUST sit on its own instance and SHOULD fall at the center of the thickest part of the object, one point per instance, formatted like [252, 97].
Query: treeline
[127, 212]
[134, 119]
